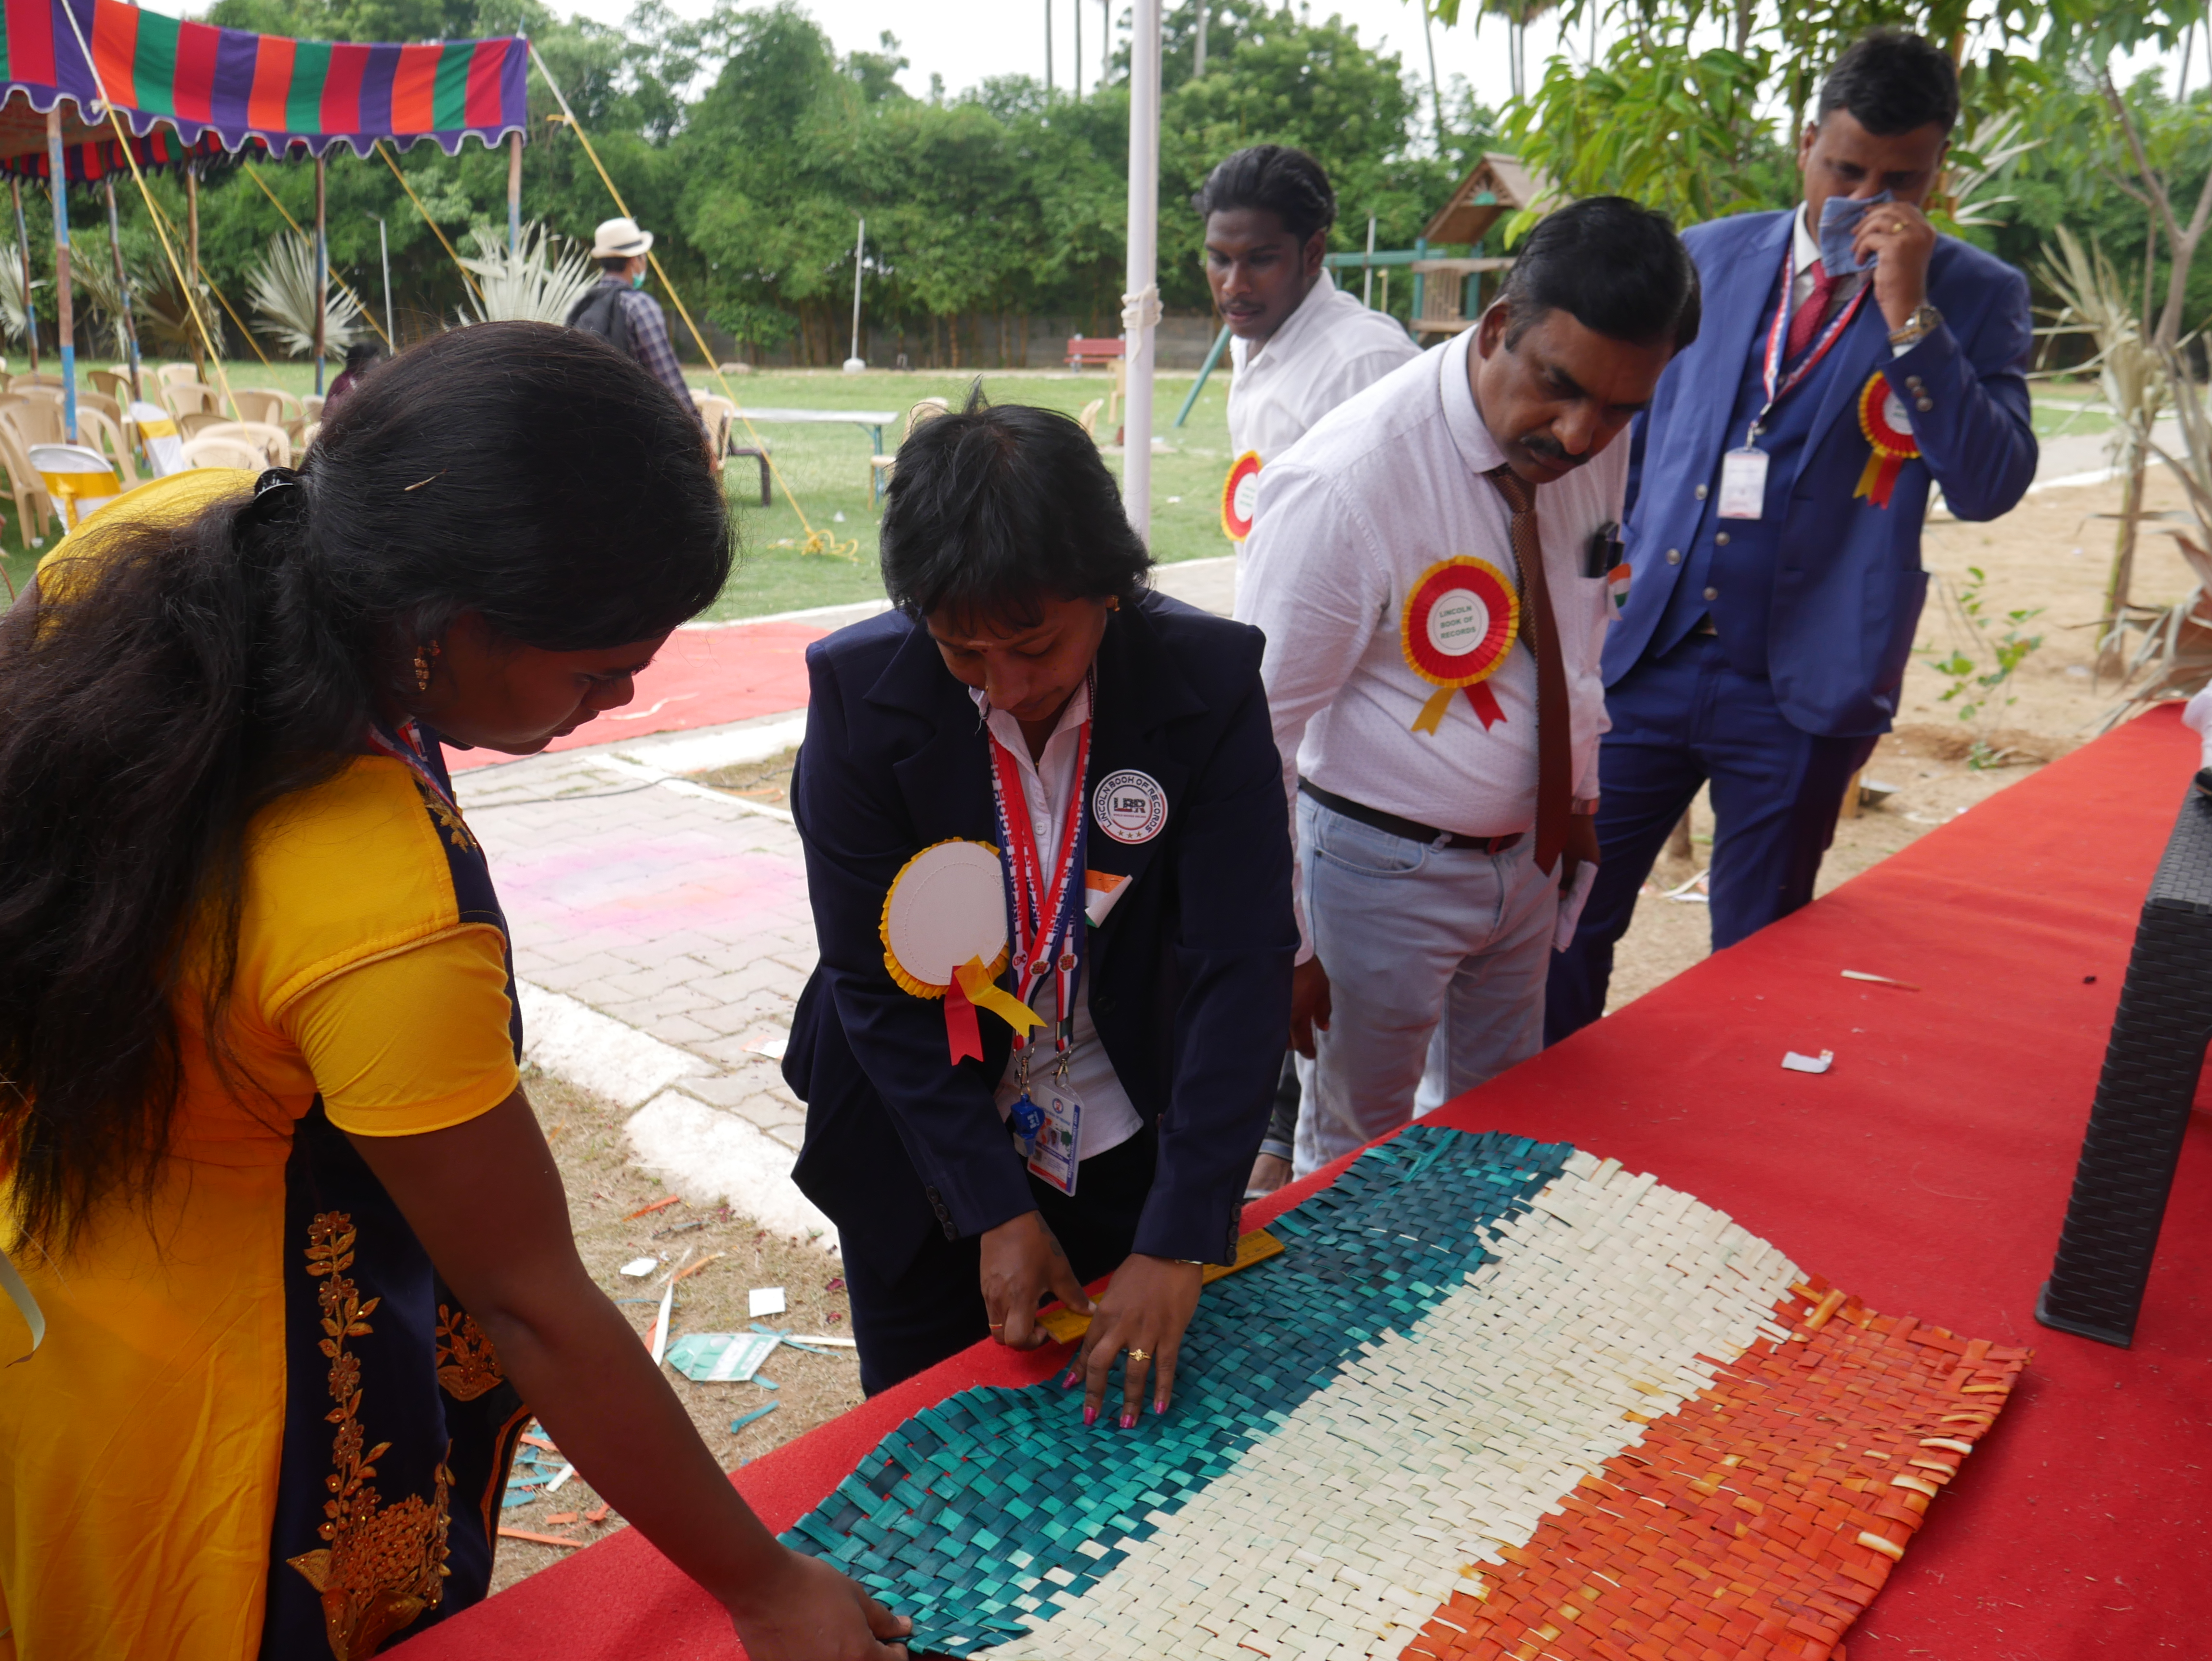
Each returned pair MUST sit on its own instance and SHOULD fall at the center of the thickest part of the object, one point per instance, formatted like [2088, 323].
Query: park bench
[1081, 351]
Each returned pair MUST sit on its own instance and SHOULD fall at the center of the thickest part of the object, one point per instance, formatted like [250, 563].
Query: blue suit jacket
[1189, 975]
[1848, 588]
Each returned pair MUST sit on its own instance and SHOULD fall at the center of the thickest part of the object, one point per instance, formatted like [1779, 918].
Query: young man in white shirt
[1430, 565]
[1299, 345]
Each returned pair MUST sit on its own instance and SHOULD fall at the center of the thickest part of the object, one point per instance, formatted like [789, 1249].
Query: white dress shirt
[1329, 348]
[1348, 521]
[1049, 789]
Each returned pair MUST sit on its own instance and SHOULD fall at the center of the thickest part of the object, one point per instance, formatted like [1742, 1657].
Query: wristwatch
[1925, 321]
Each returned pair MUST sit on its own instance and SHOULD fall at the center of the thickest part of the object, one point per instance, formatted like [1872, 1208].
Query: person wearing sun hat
[614, 309]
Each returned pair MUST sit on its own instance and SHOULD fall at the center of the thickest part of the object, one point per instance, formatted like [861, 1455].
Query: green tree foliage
[750, 145]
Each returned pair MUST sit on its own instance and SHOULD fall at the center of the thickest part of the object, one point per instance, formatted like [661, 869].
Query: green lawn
[826, 469]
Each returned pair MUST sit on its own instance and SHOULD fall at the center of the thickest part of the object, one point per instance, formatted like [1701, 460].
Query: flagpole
[1140, 301]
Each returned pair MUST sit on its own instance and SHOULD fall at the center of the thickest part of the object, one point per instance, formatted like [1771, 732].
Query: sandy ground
[605, 1191]
[2052, 555]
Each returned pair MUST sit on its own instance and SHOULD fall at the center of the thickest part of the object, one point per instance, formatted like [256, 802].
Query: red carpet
[1926, 1173]
[703, 677]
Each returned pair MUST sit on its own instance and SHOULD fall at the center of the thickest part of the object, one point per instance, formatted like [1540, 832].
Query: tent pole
[1140, 301]
[121, 283]
[322, 277]
[513, 193]
[65, 314]
[192, 223]
[384, 253]
[23, 241]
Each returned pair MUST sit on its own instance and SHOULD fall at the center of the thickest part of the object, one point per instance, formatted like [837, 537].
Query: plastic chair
[101, 402]
[40, 416]
[99, 431]
[880, 467]
[1089, 418]
[157, 431]
[222, 453]
[189, 398]
[32, 505]
[193, 423]
[267, 439]
[266, 405]
[720, 419]
[42, 379]
[175, 374]
[81, 481]
[115, 383]
[311, 407]
[308, 434]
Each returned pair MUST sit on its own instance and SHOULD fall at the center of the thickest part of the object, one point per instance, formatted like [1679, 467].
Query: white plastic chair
[81, 481]
[157, 430]
[224, 453]
[271, 441]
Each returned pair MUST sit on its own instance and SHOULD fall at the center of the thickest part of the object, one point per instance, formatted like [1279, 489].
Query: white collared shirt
[1329, 348]
[1349, 520]
[1049, 792]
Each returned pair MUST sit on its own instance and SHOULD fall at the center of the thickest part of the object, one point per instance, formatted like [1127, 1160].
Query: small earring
[422, 656]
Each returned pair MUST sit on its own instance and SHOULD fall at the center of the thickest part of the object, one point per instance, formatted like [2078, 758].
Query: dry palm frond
[1997, 149]
[11, 294]
[2133, 379]
[92, 275]
[536, 283]
[283, 291]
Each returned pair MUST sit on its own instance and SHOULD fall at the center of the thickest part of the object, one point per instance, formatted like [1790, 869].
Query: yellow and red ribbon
[1889, 430]
[1238, 492]
[1459, 622]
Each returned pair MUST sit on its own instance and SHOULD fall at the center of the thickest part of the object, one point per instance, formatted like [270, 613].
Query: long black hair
[178, 677]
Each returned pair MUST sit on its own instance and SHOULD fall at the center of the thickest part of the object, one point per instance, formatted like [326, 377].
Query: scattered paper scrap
[1696, 891]
[658, 1205]
[1819, 1063]
[554, 1487]
[717, 1357]
[638, 1268]
[560, 1517]
[764, 1300]
[597, 1513]
[810, 1342]
[660, 1345]
[773, 1049]
[1880, 979]
[745, 1419]
[538, 1539]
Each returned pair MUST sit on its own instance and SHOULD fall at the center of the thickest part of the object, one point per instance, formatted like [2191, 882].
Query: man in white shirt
[1431, 568]
[1300, 346]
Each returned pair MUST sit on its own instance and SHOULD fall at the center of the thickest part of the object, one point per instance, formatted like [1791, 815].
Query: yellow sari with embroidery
[190, 1463]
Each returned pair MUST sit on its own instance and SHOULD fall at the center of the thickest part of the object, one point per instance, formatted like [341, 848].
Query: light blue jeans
[1436, 961]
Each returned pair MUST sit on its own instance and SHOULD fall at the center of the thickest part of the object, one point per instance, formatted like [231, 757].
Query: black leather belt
[1410, 830]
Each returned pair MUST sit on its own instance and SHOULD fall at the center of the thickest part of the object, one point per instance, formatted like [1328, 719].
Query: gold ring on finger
[1140, 1355]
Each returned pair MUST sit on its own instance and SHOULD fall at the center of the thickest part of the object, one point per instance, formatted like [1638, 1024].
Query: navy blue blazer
[1849, 587]
[1189, 975]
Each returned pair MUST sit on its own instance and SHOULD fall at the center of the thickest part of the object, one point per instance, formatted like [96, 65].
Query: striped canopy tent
[181, 89]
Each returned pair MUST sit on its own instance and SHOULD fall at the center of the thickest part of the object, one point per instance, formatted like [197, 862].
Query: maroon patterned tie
[1554, 750]
[1805, 322]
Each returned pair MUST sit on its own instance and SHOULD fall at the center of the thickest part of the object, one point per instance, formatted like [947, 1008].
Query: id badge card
[1053, 1156]
[1743, 483]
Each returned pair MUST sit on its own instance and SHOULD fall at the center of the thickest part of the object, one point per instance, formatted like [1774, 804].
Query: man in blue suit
[1776, 486]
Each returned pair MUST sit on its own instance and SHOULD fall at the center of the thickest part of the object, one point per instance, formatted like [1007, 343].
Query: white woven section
[1343, 1533]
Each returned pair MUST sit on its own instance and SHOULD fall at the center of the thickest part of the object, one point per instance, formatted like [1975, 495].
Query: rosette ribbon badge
[1459, 623]
[944, 930]
[1889, 431]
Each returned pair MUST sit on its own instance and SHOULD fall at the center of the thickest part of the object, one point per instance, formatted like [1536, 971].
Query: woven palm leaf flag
[1496, 1398]
[243, 88]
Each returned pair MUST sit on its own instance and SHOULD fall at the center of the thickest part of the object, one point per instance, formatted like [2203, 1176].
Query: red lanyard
[1778, 386]
[407, 748]
[1046, 931]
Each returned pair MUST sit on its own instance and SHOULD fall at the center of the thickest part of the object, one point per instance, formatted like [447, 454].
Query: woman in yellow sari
[271, 1184]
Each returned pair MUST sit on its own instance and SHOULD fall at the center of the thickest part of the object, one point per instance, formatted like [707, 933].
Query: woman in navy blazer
[1016, 574]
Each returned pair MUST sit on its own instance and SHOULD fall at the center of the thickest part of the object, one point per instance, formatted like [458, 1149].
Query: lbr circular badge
[1129, 806]
[1240, 492]
[1889, 439]
[1459, 623]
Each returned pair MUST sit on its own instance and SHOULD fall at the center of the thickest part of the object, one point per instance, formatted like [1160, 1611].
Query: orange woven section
[1739, 1528]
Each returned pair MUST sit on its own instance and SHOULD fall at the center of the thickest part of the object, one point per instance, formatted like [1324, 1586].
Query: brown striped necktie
[1554, 750]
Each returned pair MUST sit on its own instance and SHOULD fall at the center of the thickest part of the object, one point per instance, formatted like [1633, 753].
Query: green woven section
[303, 99]
[978, 1516]
[449, 103]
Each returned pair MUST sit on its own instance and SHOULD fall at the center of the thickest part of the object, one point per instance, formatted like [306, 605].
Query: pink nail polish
[1128, 1421]
[1159, 1407]
[1072, 1379]
[1089, 1415]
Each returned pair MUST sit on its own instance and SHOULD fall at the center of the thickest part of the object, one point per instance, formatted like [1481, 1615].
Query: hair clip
[275, 478]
